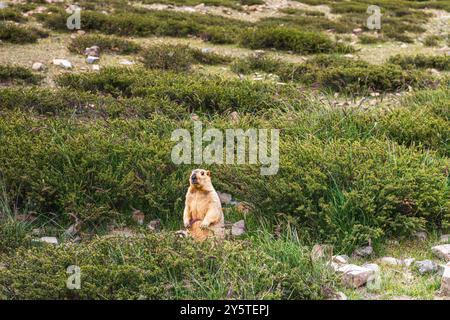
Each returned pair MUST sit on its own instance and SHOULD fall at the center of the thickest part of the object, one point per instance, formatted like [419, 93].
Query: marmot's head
[200, 179]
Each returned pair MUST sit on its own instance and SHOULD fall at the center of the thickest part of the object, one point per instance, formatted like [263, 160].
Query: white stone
[340, 259]
[390, 261]
[225, 198]
[372, 266]
[442, 251]
[51, 240]
[408, 261]
[445, 281]
[354, 276]
[126, 62]
[238, 228]
[37, 66]
[95, 67]
[92, 59]
[62, 63]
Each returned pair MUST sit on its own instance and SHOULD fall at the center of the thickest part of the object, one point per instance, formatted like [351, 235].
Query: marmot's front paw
[204, 225]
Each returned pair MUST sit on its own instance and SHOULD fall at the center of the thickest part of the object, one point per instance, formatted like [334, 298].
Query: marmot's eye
[203, 173]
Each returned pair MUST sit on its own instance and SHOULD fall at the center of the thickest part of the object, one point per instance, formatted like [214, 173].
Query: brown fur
[203, 215]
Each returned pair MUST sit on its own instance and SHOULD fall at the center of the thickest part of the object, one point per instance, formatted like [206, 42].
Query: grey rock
[37, 66]
[426, 266]
[372, 266]
[445, 238]
[354, 276]
[238, 228]
[421, 235]
[66, 64]
[154, 225]
[225, 198]
[445, 281]
[92, 59]
[408, 261]
[390, 261]
[363, 252]
[442, 251]
[340, 259]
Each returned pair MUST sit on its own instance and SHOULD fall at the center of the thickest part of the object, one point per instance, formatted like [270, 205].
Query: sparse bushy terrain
[85, 145]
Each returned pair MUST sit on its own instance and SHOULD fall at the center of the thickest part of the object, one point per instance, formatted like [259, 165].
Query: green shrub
[195, 92]
[432, 40]
[336, 73]
[108, 44]
[285, 38]
[367, 39]
[153, 266]
[17, 75]
[11, 14]
[421, 61]
[10, 32]
[178, 57]
[69, 102]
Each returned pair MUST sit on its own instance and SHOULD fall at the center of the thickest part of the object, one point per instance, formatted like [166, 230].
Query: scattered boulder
[408, 261]
[445, 282]
[372, 266]
[426, 266]
[420, 235]
[354, 276]
[93, 51]
[445, 238]
[50, 240]
[95, 67]
[390, 261]
[363, 252]
[357, 30]
[340, 259]
[138, 216]
[442, 251]
[66, 64]
[126, 62]
[321, 252]
[339, 296]
[73, 230]
[37, 66]
[92, 59]
[154, 225]
[238, 228]
[225, 198]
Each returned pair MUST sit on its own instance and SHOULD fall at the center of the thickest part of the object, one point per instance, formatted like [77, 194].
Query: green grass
[421, 61]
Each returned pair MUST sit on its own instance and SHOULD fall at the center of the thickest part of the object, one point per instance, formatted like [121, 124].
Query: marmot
[203, 215]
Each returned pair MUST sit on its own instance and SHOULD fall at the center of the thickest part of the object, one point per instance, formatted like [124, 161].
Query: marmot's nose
[193, 177]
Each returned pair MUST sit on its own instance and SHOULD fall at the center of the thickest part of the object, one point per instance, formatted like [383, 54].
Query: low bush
[290, 39]
[337, 73]
[195, 92]
[341, 188]
[419, 61]
[368, 39]
[17, 75]
[432, 40]
[108, 44]
[13, 33]
[11, 14]
[162, 266]
[178, 57]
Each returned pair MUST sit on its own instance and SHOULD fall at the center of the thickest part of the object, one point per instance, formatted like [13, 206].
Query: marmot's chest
[199, 205]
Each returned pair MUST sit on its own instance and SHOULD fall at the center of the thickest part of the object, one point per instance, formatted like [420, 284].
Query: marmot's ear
[208, 173]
